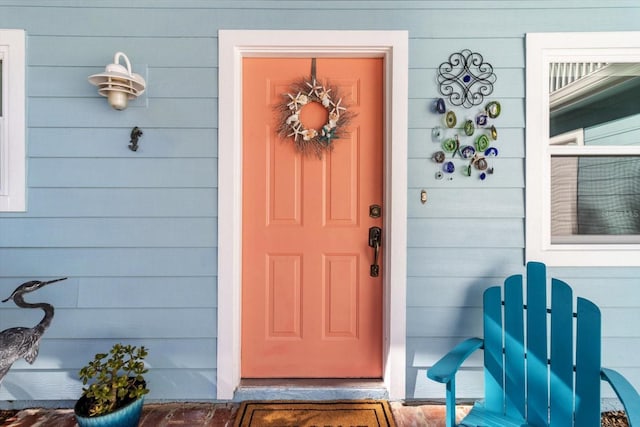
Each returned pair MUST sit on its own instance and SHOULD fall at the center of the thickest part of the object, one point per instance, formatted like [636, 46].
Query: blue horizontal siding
[423, 19]
[48, 262]
[469, 263]
[122, 202]
[119, 323]
[328, 4]
[109, 232]
[165, 384]
[90, 112]
[148, 292]
[151, 51]
[104, 142]
[446, 233]
[109, 292]
[187, 353]
[483, 202]
[164, 82]
[126, 172]
[137, 232]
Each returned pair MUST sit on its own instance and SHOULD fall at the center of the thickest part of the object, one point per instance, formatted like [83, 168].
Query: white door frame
[233, 46]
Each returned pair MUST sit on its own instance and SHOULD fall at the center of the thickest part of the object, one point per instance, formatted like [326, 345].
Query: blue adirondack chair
[524, 385]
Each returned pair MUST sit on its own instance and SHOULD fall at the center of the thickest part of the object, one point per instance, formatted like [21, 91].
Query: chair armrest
[626, 393]
[445, 369]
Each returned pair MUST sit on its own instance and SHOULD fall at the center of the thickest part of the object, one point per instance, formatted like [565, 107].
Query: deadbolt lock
[375, 211]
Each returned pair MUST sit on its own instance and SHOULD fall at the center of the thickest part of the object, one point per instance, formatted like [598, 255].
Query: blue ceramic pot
[127, 416]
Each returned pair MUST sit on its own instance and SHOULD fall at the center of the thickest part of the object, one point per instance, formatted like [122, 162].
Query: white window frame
[543, 49]
[12, 122]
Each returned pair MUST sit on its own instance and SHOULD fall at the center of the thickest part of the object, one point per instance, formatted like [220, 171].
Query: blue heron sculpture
[19, 342]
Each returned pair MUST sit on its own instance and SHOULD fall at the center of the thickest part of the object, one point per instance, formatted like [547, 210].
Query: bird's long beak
[54, 281]
[37, 285]
[43, 284]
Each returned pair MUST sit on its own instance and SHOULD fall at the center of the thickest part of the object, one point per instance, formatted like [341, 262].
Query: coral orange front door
[310, 306]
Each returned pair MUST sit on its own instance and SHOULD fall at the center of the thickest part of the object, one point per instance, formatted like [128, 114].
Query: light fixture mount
[118, 83]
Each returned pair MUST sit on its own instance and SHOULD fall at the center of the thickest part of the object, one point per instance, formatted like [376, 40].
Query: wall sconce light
[118, 83]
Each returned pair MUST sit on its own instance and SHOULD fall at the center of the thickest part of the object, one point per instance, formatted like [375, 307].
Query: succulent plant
[114, 379]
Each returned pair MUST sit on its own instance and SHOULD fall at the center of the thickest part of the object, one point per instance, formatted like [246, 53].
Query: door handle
[375, 238]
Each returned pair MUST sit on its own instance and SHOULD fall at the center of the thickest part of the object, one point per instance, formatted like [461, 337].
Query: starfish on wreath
[314, 87]
[297, 131]
[338, 107]
[299, 100]
[325, 98]
[303, 92]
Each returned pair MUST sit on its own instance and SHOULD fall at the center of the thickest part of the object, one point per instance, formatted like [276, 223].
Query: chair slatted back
[562, 354]
[537, 358]
[588, 364]
[493, 357]
[531, 370]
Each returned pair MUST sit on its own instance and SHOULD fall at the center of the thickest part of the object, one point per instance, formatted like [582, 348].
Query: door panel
[309, 306]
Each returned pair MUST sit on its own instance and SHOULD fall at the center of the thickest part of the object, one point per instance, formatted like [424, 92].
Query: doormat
[344, 413]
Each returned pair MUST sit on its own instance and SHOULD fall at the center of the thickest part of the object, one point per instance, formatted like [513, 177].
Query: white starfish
[314, 87]
[296, 131]
[292, 104]
[299, 99]
[338, 107]
[325, 97]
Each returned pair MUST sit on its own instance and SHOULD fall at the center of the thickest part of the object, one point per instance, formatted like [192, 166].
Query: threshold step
[310, 389]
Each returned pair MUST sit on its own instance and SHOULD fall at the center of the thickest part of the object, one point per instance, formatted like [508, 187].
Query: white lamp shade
[118, 83]
[117, 99]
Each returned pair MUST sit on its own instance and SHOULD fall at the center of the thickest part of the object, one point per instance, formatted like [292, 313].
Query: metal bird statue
[19, 342]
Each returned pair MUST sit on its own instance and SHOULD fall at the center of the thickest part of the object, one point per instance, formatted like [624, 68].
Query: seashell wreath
[309, 140]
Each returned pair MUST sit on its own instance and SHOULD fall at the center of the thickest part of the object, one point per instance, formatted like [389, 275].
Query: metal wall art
[466, 79]
[466, 138]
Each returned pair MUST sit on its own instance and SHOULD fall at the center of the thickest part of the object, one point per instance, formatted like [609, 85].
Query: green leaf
[114, 377]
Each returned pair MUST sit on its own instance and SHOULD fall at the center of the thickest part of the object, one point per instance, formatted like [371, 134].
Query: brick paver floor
[210, 415]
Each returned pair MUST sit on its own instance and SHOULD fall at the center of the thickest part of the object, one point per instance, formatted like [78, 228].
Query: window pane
[596, 96]
[595, 197]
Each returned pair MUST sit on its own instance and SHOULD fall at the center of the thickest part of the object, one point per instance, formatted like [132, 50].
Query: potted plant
[114, 387]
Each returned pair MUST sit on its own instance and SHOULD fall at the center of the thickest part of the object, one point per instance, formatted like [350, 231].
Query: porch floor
[210, 415]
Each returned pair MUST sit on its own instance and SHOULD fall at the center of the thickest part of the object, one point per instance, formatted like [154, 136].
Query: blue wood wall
[136, 232]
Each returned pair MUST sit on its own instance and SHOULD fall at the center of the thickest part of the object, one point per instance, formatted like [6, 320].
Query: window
[12, 121]
[583, 149]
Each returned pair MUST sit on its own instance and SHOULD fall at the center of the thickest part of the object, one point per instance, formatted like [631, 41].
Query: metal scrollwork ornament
[466, 79]
[466, 138]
